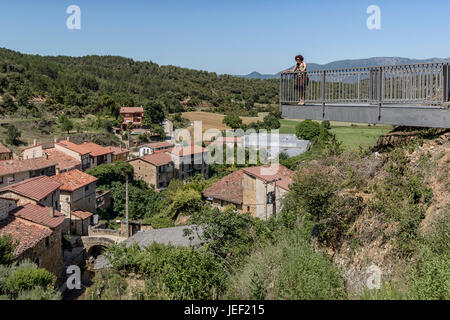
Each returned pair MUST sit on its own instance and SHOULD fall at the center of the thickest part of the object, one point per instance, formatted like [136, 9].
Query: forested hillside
[101, 84]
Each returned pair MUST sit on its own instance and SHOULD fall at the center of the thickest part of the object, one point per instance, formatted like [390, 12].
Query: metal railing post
[323, 92]
[380, 91]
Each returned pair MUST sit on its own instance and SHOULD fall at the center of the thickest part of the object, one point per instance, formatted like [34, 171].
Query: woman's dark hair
[299, 57]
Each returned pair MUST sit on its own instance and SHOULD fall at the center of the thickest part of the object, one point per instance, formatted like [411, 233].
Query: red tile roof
[4, 149]
[270, 172]
[157, 159]
[34, 188]
[72, 146]
[131, 109]
[117, 150]
[229, 188]
[39, 214]
[88, 147]
[73, 180]
[188, 150]
[15, 166]
[95, 150]
[28, 234]
[156, 145]
[82, 214]
[64, 161]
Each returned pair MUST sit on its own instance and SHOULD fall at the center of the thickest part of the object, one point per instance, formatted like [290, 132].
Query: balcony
[413, 95]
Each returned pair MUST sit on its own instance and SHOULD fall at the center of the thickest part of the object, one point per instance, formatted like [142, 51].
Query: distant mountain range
[356, 63]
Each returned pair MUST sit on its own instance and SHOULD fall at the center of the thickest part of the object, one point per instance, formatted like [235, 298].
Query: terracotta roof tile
[269, 173]
[15, 166]
[131, 109]
[157, 159]
[39, 214]
[82, 214]
[28, 234]
[88, 147]
[36, 188]
[95, 149]
[161, 144]
[73, 180]
[4, 149]
[73, 147]
[229, 188]
[64, 161]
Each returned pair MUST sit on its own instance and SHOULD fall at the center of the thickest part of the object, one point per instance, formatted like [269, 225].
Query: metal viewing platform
[410, 95]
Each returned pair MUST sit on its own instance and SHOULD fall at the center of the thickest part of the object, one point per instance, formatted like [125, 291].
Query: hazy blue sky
[228, 36]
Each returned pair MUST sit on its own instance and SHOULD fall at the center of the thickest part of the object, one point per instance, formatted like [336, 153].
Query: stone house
[13, 171]
[263, 189]
[90, 154]
[155, 169]
[257, 190]
[40, 190]
[81, 220]
[189, 161]
[77, 192]
[226, 191]
[38, 231]
[5, 153]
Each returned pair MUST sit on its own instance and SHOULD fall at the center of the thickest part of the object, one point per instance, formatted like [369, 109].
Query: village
[47, 197]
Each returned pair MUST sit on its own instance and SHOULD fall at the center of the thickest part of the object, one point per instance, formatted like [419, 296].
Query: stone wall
[6, 205]
[47, 253]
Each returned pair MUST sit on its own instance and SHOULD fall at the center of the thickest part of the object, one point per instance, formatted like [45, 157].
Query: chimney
[68, 138]
[51, 212]
[34, 142]
[226, 182]
[46, 155]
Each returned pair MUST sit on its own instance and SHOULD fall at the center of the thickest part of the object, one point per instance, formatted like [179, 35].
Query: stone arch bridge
[93, 242]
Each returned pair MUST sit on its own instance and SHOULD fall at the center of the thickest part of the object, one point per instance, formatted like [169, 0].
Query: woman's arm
[290, 71]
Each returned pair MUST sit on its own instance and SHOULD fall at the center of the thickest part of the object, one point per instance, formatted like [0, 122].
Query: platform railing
[423, 84]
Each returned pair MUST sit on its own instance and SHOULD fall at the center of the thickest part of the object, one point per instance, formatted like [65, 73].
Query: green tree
[23, 96]
[232, 120]
[114, 172]
[271, 121]
[8, 103]
[307, 130]
[13, 135]
[154, 113]
[65, 123]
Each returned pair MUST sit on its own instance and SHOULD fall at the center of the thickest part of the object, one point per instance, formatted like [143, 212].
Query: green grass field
[351, 135]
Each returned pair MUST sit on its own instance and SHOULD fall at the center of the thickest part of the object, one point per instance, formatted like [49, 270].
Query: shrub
[289, 269]
[307, 130]
[183, 273]
[232, 120]
[7, 246]
[27, 277]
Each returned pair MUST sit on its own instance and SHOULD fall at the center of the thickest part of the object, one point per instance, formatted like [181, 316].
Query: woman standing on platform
[300, 78]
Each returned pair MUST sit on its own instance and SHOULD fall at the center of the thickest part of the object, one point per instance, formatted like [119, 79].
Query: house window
[47, 242]
[86, 188]
[1, 180]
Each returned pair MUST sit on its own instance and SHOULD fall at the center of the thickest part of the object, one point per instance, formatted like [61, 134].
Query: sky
[228, 36]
